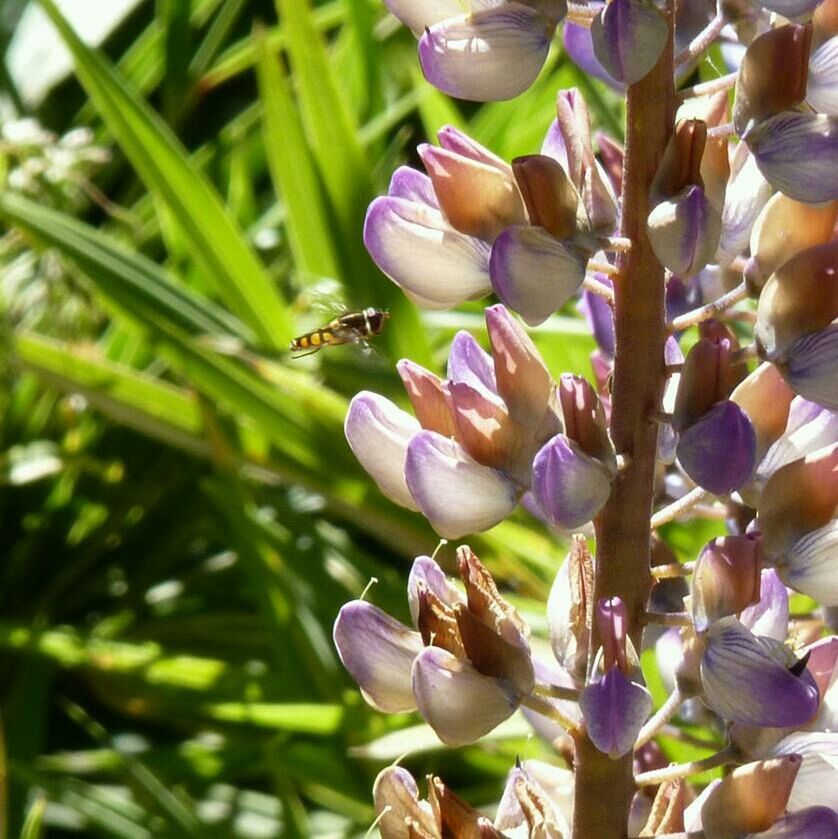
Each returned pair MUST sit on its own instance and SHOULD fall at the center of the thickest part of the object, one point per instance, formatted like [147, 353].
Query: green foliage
[181, 516]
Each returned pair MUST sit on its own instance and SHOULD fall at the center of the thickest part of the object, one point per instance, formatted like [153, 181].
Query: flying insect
[348, 328]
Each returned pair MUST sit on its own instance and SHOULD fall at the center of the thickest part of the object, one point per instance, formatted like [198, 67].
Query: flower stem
[599, 288]
[702, 41]
[710, 310]
[660, 718]
[552, 712]
[706, 88]
[676, 508]
[683, 770]
[604, 787]
[557, 692]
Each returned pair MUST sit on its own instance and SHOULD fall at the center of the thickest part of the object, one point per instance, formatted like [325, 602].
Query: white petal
[810, 566]
[822, 84]
[378, 433]
[817, 779]
[460, 704]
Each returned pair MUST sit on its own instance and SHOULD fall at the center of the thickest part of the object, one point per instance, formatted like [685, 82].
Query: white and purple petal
[455, 493]
[568, 485]
[470, 364]
[413, 185]
[579, 46]
[719, 451]
[378, 433]
[534, 273]
[770, 616]
[460, 704]
[614, 709]
[628, 38]
[812, 823]
[378, 652]
[810, 565]
[822, 84]
[426, 573]
[747, 679]
[436, 266]
[811, 366]
[489, 55]
[817, 779]
[419, 14]
[796, 153]
[397, 804]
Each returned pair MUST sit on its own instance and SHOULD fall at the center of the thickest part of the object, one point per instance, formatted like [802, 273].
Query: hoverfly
[348, 328]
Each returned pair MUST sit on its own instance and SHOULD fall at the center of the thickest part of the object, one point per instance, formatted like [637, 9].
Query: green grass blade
[135, 283]
[215, 241]
[293, 171]
[33, 827]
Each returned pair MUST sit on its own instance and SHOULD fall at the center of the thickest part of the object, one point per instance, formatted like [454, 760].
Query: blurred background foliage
[181, 518]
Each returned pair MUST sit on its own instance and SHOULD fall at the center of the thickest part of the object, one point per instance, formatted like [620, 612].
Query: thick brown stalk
[604, 787]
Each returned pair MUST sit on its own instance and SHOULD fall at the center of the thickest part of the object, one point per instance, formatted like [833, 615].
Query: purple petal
[817, 779]
[615, 709]
[489, 55]
[719, 451]
[456, 494]
[378, 652]
[460, 704]
[568, 485]
[796, 153]
[811, 366]
[628, 38]
[378, 433]
[413, 185]
[580, 47]
[533, 273]
[469, 363]
[808, 566]
[770, 617]
[418, 250]
[747, 680]
[812, 823]
[427, 574]
[454, 140]
[554, 145]
[600, 317]
[684, 232]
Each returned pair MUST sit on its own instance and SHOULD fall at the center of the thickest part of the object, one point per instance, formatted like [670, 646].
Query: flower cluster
[740, 218]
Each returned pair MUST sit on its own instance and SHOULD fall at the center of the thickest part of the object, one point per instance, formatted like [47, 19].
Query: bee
[348, 328]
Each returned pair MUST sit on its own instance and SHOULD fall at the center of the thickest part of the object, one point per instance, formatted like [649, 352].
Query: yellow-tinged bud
[800, 297]
[772, 76]
[783, 229]
[751, 798]
[765, 397]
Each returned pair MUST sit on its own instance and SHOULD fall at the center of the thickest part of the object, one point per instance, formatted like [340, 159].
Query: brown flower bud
[798, 498]
[667, 814]
[457, 818]
[783, 229]
[551, 199]
[437, 624]
[681, 163]
[800, 297]
[772, 76]
[825, 22]
[428, 396]
[751, 798]
[705, 380]
[584, 418]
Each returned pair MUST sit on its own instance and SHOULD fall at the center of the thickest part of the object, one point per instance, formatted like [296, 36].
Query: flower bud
[584, 419]
[468, 362]
[551, 199]
[766, 399]
[750, 799]
[457, 818]
[476, 198]
[800, 298]
[427, 394]
[667, 814]
[533, 798]
[726, 579]
[772, 76]
[798, 498]
[628, 38]
[705, 380]
[569, 486]
[397, 804]
[783, 229]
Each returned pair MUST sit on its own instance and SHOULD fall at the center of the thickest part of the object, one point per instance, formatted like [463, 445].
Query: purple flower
[753, 680]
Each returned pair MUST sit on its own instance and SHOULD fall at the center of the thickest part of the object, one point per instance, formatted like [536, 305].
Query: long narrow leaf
[215, 241]
[292, 170]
